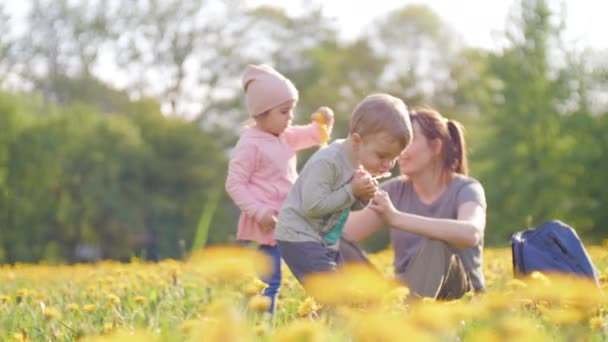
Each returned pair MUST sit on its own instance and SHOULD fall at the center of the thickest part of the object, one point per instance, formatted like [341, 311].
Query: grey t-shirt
[319, 202]
[461, 189]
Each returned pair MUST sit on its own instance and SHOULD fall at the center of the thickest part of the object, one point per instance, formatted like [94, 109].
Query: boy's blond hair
[382, 113]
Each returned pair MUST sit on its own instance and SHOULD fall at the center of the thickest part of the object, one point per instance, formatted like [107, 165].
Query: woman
[436, 213]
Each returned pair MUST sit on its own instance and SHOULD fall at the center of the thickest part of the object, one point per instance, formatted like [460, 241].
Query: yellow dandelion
[301, 330]
[563, 316]
[540, 277]
[89, 308]
[260, 329]
[73, 307]
[108, 327]
[51, 313]
[516, 284]
[4, 298]
[230, 264]
[396, 296]
[381, 326]
[21, 294]
[139, 299]
[597, 323]
[308, 307]
[19, 337]
[433, 315]
[320, 119]
[495, 301]
[521, 328]
[352, 284]
[259, 303]
[486, 335]
[124, 335]
[228, 324]
[188, 326]
[113, 299]
[254, 287]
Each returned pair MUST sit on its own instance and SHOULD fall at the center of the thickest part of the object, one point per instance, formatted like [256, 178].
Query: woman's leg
[351, 252]
[274, 280]
[436, 272]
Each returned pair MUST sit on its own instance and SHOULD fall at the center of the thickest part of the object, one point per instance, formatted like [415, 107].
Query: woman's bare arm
[464, 232]
[361, 224]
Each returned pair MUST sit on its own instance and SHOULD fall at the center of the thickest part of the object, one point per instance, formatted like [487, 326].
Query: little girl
[262, 167]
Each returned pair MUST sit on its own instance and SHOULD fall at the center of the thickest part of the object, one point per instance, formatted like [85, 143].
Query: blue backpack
[552, 247]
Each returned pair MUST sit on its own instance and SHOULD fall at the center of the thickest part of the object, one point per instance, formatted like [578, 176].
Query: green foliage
[529, 175]
[118, 183]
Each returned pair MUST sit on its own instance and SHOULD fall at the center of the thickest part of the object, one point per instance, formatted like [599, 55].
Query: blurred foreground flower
[230, 263]
[565, 289]
[223, 322]
[254, 287]
[377, 325]
[259, 303]
[302, 330]
[597, 323]
[351, 284]
[124, 335]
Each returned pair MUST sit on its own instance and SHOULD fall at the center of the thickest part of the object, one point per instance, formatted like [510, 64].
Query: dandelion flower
[230, 264]
[323, 131]
[113, 299]
[396, 296]
[19, 337]
[516, 284]
[563, 316]
[597, 323]
[259, 303]
[108, 327]
[351, 284]
[254, 287]
[90, 308]
[307, 307]
[301, 330]
[188, 325]
[51, 313]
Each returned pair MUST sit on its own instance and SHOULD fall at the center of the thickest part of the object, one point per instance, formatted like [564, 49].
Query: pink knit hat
[265, 88]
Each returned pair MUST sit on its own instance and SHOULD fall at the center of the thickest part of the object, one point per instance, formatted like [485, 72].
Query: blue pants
[306, 258]
[274, 280]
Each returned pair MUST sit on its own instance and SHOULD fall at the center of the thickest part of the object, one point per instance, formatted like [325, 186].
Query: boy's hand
[364, 185]
[268, 223]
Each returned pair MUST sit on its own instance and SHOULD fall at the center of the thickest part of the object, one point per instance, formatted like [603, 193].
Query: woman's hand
[382, 205]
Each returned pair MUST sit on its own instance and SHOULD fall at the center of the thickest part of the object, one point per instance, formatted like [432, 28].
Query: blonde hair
[382, 113]
[451, 133]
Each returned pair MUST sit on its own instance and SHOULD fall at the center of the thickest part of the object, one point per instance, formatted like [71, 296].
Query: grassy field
[215, 297]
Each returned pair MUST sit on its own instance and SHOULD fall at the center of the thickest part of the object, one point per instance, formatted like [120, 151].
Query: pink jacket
[261, 172]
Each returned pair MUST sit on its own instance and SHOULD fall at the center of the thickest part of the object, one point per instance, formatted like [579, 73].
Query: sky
[477, 21]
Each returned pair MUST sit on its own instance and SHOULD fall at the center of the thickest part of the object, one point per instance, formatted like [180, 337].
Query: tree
[63, 40]
[419, 48]
[526, 176]
[5, 42]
